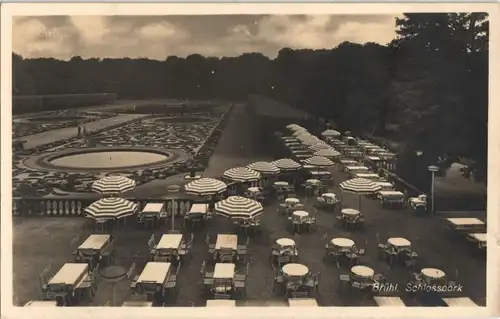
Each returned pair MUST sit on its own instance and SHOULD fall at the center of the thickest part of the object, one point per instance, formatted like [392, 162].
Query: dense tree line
[428, 87]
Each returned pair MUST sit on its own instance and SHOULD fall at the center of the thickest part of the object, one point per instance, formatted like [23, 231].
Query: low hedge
[38, 103]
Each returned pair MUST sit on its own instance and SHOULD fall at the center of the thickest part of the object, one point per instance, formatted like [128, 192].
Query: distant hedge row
[37, 103]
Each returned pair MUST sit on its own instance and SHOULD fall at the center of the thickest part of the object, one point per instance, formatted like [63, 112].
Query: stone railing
[64, 206]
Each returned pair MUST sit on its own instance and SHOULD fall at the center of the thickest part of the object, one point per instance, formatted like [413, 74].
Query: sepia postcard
[332, 157]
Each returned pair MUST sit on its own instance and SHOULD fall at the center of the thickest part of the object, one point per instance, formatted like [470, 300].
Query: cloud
[157, 37]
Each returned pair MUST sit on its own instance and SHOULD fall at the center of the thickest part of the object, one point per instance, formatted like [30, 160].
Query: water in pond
[111, 159]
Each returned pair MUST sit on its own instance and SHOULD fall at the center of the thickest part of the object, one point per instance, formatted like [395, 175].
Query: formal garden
[181, 144]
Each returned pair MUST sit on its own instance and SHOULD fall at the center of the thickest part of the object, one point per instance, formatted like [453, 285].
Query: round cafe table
[363, 271]
[350, 212]
[283, 184]
[300, 214]
[285, 242]
[295, 270]
[399, 242]
[342, 242]
[328, 195]
[313, 181]
[433, 273]
[254, 190]
[292, 201]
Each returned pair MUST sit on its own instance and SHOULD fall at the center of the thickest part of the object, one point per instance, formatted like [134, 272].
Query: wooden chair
[202, 270]
[353, 258]
[244, 246]
[221, 296]
[242, 277]
[226, 255]
[382, 251]
[313, 281]
[211, 247]
[360, 222]
[186, 247]
[360, 251]
[210, 214]
[344, 280]
[278, 278]
[222, 286]
[300, 294]
[283, 260]
[311, 223]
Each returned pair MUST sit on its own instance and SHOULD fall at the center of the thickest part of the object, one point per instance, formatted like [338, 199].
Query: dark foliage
[427, 89]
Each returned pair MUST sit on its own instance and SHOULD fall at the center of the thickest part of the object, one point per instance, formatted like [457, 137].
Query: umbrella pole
[173, 216]
[359, 202]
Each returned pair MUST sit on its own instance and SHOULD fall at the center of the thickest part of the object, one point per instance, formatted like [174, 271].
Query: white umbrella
[331, 133]
[241, 174]
[113, 185]
[293, 126]
[319, 146]
[360, 186]
[311, 141]
[319, 161]
[336, 142]
[205, 187]
[280, 183]
[301, 132]
[300, 150]
[305, 136]
[293, 145]
[110, 208]
[328, 153]
[287, 164]
[264, 168]
[238, 207]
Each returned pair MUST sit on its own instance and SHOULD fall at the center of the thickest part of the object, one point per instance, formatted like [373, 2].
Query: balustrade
[67, 206]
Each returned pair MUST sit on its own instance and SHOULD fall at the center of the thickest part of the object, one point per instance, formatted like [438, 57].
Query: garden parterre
[156, 132]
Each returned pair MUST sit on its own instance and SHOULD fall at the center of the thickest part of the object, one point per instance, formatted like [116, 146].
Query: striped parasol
[264, 168]
[113, 185]
[287, 164]
[319, 161]
[110, 208]
[361, 186]
[205, 187]
[292, 126]
[331, 133]
[328, 153]
[241, 174]
[319, 146]
[311, 141]
[238, 207]
[336, 142]
[292, 143]
[305, 136]
[295, 127]
[301, 132]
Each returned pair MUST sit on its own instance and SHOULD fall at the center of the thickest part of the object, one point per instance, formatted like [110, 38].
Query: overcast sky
[157, 37]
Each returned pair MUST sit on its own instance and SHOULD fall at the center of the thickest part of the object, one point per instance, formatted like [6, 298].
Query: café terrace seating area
[299, 190]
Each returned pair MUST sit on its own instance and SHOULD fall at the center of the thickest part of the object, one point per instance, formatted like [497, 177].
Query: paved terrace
[39, 242]
[49, 241]
[235, 148]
